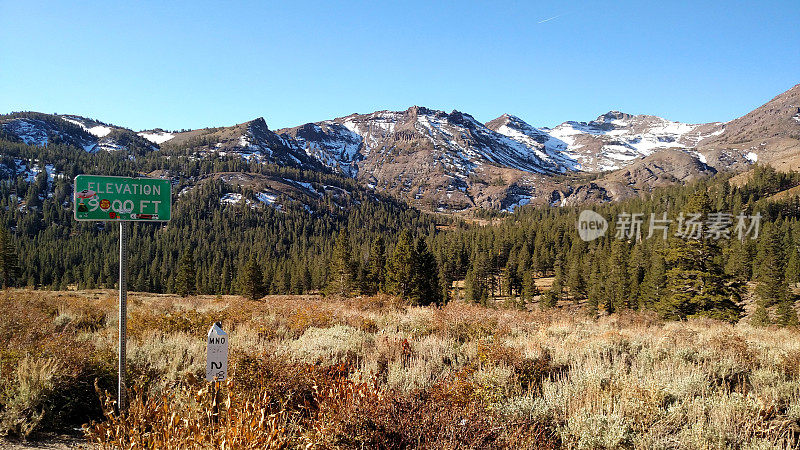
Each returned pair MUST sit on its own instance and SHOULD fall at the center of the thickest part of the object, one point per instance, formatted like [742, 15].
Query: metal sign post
[120, 199]
[123, 314]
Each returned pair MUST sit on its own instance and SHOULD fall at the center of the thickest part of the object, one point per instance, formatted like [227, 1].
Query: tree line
[372, 244]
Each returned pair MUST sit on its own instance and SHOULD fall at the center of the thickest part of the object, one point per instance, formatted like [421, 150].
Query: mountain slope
[42, 129]
[451, 162]
[252, 140]
[768, 134]
[616, 139]
[441, 160]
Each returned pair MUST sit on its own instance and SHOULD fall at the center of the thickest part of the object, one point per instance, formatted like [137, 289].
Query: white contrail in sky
[551, 18]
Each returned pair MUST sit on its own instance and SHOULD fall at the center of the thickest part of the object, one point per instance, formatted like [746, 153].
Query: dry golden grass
[368, 372]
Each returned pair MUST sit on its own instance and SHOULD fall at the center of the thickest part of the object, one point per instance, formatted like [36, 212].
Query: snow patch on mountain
[156, 137]
[615, 139]
[231, 198]
[544, 146]
[96, 130]
[30, 131]
[334, 144]
[268, 198]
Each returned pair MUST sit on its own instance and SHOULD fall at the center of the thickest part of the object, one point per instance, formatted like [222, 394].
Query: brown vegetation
[369, 373]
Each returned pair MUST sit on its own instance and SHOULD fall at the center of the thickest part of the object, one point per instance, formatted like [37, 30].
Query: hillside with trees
[357, 242]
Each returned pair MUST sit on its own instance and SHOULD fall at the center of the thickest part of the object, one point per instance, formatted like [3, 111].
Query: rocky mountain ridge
[451, 162]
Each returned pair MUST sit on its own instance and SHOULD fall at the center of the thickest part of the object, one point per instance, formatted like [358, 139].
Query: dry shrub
[290, 385]
[365, 324]
[730, 362]
[447, 416]
[329, 345]
[407, 377]
[236, 418]
[627, 319]
[790, 364]
[307, 317]
[47, 369]
[467, 329]
[144, 321]
[267, 402]
[529, 372]
[85, 318]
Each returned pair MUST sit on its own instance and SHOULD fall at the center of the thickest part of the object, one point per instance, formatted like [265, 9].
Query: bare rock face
[430, 158]
[616, 139]
[251, 140]
[661, 169]
[768, 134]
[441, 161]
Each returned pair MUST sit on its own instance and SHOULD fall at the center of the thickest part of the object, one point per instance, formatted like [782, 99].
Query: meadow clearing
[313, 372]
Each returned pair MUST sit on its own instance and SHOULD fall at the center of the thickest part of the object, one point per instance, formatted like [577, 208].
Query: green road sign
[120, 198]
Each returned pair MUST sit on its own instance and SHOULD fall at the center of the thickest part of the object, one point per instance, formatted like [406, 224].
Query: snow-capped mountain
[110, 137]
[43, 129]
[616, 139]
[445, 160]
[544, 145]
[90, 135]
[331, 143]
[252, 140]
[460, 140]
[156, 136]
[450, 161]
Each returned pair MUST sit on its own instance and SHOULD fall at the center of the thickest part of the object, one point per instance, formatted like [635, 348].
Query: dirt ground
[49, 442]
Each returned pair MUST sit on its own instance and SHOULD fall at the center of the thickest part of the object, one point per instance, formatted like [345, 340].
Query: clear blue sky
[174, 64]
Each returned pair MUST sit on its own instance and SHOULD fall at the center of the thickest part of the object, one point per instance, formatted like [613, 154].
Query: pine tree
[792, 272]
[551, 297]
[510, 280]
[476, 284]
[342, 267]
[186, 282]
[9, 262]
[576, 279]
[785, 314]
[596, 291]
[376, 267]
[696, 283]
[446, 283]
[476, 289]
[637, 268]
[400, 267]
[772, 288]
[617, 287]
[739, 261]
[425, 279]
[529, 288]
[760, 317]
[252, 280]
[654, 283]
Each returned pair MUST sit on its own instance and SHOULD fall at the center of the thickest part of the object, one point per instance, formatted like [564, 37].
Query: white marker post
[217, 354]
[216, 363]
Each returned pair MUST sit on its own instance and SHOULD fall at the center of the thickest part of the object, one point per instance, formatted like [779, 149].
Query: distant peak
[507, 120]
[613, 115]
[419, 110]
[258, 123]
